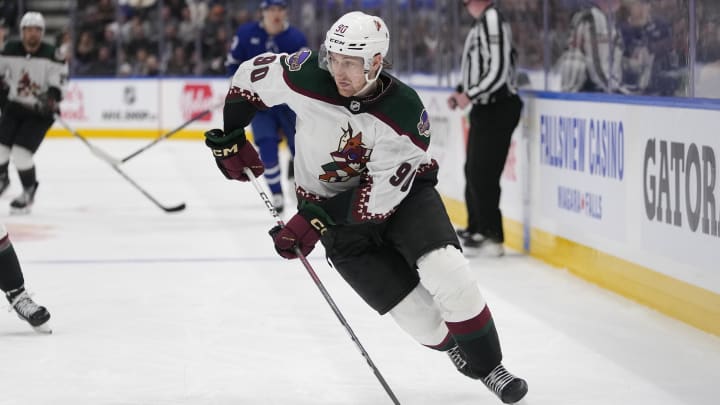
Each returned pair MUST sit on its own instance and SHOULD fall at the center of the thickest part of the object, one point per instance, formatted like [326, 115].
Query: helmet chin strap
[369, 83]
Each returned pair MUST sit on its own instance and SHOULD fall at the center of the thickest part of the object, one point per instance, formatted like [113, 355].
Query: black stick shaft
[114, 164]
[324, 291]
[166, 135]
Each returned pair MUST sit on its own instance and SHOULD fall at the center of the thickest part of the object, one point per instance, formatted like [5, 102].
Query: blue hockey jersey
[251, 40]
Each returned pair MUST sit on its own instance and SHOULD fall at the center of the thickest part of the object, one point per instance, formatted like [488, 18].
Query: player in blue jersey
[271, 34]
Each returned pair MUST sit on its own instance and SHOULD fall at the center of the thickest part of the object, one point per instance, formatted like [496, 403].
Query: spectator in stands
[105, 65]
[85, 53]
[139, 63]
[648, 64]
[271, 34]
[215, 41]
[136, 34]
[708, 49]
[178, 64]
[175, 8]
[593, 59]
[187, 28]
[152, 66]
[216, 52]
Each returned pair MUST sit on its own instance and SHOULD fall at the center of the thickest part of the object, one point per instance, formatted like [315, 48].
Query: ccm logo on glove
[302, 231]
[233, 154]
[225, 152]
[318, 225]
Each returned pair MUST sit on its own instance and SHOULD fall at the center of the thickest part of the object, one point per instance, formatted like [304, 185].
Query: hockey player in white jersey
[366, 189]
[35, 74]
[12, 284]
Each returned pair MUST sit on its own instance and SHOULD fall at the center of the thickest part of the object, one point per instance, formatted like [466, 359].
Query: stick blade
[176, 208]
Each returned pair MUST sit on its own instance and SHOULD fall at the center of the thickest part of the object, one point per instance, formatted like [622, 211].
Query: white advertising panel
[143, 104]
[636, 182]
[677, 203]
[581, 167]
[112, 103]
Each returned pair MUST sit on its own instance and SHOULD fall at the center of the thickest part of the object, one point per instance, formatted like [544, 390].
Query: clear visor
[337, 62]
[350, 65]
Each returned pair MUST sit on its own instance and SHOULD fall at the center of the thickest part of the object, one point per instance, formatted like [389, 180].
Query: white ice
[196, 308]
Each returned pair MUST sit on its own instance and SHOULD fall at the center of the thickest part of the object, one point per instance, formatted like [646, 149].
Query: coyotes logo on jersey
[348, 160]
[26, 87]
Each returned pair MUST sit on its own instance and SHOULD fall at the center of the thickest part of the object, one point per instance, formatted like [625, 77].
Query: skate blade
[484, 251]
[43, 329]
[19, 211]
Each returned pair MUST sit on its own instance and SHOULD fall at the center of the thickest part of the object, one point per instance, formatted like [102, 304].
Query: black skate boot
[458, 359]
[506, 386]
[23, 203]
[463, 234]
[28, 310]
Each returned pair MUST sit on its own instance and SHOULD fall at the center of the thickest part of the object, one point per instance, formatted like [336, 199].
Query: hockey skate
[27, 310]
[23, 203]
[507, 387]
[478, 244]
[463, 234]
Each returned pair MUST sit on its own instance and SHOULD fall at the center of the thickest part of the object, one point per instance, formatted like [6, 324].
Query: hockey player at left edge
[35, 73]
[12, 284]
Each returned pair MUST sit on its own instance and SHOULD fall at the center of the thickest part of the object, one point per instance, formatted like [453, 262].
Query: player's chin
[345, 90]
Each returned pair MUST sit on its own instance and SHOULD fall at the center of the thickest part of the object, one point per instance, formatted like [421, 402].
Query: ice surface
[196, 308]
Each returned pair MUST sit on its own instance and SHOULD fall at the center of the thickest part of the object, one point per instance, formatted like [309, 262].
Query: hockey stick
[171, 133]
[114, 164]
[323, 290]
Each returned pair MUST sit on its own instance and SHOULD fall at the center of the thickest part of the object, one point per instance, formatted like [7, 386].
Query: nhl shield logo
[355, 106]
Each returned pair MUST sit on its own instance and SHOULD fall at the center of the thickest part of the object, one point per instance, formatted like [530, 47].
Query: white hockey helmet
[32, 19]
[358, 34]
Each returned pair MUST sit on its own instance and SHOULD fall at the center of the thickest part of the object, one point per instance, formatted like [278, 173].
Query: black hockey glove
[49, 102]
[233, 153]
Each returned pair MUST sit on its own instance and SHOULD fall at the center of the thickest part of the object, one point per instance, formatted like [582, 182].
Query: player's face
[31, 37]
[474, 7]
[348, 72]
[274, 18]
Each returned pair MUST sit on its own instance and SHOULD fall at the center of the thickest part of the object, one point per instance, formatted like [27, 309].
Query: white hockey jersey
[29, 76]
[364, 152]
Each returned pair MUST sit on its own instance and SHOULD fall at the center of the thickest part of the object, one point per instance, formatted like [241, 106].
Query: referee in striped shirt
[488, 84]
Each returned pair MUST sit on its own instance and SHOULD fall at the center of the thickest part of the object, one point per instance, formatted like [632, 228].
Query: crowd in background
[191, 37]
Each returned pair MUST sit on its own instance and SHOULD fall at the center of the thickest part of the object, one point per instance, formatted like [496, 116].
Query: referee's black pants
[491, 128]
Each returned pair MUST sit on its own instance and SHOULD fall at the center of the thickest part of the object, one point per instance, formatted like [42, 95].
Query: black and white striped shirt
[593, 59]
[488, 64]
